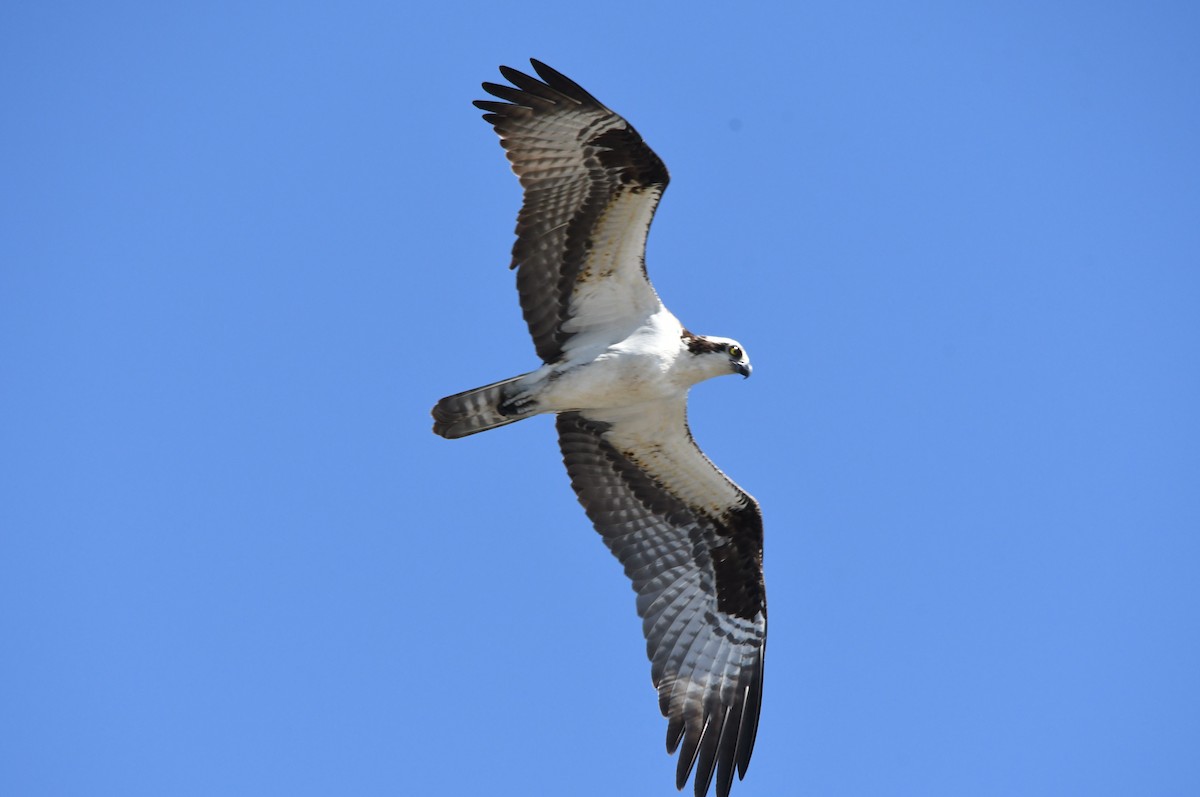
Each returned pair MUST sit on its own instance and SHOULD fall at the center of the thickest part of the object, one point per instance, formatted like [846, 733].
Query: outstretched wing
[691, 542]
[591, 188]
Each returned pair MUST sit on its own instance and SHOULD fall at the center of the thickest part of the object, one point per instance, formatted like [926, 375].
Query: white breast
[634, 370]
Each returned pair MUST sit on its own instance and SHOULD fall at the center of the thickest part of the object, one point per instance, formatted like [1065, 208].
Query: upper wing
[691, 541]
[591, 188]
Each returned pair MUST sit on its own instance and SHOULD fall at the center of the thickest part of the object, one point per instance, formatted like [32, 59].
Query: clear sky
[245, 247]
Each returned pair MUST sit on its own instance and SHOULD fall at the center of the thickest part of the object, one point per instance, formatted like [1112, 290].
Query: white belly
[614, 379]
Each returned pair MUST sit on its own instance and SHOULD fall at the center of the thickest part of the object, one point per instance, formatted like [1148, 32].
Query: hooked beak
[743, 369]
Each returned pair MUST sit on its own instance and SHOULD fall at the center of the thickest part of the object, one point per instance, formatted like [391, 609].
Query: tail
[478, 410]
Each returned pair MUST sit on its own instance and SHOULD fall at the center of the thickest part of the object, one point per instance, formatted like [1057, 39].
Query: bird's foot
[520, 404]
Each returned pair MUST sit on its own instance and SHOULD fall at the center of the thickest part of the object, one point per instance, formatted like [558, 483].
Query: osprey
[617, 367]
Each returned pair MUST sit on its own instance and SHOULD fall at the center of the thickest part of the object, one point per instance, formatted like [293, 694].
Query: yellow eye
[735, 352]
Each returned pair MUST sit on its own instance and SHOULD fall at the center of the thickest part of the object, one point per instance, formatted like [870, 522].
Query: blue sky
[244, 248]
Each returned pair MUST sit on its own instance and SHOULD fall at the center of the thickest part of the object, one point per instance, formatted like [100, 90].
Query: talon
[514, 406]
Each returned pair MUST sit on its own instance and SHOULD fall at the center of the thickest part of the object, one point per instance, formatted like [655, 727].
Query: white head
[715, 356]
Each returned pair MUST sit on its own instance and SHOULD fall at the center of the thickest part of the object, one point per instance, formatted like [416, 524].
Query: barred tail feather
[478, 410]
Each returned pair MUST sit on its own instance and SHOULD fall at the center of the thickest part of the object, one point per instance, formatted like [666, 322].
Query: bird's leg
[523, 403]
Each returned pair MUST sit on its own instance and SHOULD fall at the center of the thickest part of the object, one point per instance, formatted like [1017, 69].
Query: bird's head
[719, 355]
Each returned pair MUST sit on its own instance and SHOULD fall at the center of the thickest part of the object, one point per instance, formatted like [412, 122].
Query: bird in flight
[616, 370]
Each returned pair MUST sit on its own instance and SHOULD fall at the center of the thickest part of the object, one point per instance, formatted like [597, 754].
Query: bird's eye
[735, 352]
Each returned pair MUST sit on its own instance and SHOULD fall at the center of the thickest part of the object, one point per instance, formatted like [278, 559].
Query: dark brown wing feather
[697, 572]
[591, 188]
